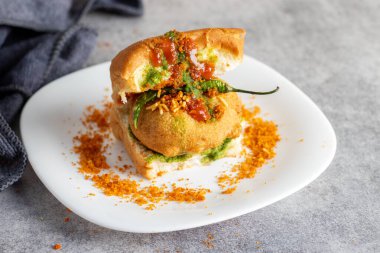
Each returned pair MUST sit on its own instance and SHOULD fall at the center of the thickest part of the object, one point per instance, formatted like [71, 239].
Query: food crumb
[260, 138]
[93, 146]
[258, 244]
[57, 246]
[300, 140]
[229, 190]
[209, 242]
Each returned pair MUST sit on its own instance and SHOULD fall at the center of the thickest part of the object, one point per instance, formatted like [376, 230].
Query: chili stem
[256, 92]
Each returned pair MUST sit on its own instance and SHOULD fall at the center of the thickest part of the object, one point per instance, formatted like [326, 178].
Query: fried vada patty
[173, 134]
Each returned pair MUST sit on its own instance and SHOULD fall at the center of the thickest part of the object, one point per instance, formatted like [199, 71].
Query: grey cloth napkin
[40, 41]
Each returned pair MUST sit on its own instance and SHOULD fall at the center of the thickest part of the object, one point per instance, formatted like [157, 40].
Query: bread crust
[121, 132]
[127, 61]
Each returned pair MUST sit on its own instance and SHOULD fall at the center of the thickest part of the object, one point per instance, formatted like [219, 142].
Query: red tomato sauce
[198, 110]
[168, 49]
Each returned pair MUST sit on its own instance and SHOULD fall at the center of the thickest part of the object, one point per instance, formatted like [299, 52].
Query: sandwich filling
[181, 77]
[229, 147]
[172, 56]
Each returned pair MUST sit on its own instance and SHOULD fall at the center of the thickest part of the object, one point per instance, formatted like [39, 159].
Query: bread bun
[174, 140]
[128, 68]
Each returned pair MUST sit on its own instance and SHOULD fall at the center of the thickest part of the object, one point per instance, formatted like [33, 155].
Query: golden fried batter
[177, 133]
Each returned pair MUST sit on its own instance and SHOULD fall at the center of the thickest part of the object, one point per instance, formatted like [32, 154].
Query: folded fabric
[40, 41]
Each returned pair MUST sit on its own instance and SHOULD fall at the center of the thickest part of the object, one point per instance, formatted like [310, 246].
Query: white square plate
[51, 118]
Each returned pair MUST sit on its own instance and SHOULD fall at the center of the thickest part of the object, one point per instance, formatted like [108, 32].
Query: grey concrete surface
[331, 50]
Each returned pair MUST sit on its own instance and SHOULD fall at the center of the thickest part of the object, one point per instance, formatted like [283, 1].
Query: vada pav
[170, 108]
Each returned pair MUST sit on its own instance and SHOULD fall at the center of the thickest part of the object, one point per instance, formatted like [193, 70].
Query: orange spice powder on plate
[259, 139]
[92, 150]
